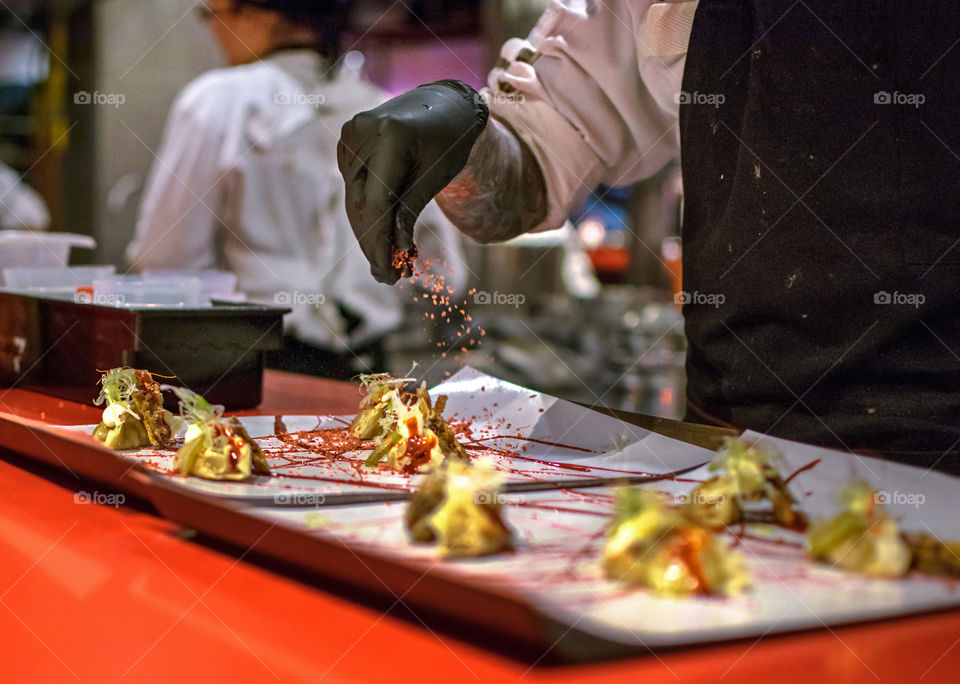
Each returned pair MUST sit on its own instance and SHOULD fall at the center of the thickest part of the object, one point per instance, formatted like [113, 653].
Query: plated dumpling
[409, 432]
[862, 537]
[134, 416]
[457, 507]
[369, 423]
[747, 476]
[214, 448]
[933, 555]
[652, 544]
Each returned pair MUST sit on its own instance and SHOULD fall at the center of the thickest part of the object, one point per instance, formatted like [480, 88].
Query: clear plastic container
[54, 282]
[24, 248]
[138, 291]
[220, 285]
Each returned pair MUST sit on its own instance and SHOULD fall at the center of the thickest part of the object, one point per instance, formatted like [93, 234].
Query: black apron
[821, 165]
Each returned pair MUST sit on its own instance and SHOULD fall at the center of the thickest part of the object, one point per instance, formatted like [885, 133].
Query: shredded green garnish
[388, 420]
[385, 445]
[377, 385]
[196, 410]
[117, 387]
[629, 502]
[748, 464]
[860, 498]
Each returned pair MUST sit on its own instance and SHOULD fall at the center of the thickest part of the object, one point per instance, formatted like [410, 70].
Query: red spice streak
[738, 536]
[741, 535]
[361, 483]
[324, 444]
[810, 465]
[560, 509]
[564, 466]
[337, 446]
[588, 550]
[335, 442]
[475, 443]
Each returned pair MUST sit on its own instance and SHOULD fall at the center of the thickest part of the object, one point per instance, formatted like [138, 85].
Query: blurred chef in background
[21, 207]
[246, 180]
[819, 149]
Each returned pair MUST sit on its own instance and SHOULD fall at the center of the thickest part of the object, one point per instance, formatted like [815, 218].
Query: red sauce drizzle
[236, 444]
[810, 465]
[418, 449]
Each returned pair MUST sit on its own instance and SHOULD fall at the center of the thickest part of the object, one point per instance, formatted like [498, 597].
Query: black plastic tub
[60, 347]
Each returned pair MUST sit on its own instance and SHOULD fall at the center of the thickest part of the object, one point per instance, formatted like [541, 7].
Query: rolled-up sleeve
[592, 92]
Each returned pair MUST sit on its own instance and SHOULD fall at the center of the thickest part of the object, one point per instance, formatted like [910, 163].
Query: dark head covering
[327, 18]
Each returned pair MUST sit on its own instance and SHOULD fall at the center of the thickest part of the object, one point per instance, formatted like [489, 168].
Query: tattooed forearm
[501, 192]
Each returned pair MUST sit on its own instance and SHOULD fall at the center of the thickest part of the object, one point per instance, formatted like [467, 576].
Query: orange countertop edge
[112, 592]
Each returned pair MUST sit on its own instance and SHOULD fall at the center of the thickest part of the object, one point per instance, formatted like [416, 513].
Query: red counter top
[102, 593]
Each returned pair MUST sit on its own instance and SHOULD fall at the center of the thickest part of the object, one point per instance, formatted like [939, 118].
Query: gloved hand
[398, 157]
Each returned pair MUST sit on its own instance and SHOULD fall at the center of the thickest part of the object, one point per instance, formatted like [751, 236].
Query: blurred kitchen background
[586, 312]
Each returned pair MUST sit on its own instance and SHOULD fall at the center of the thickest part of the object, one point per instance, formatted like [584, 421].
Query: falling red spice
[404, 260]
[438, 295]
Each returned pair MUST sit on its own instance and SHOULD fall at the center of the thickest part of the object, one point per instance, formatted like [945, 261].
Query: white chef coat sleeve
[593, 93]
[21, 207]
[179, 213]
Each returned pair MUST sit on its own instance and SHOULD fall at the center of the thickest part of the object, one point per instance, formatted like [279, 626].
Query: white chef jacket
[246, 179]
[593, 92]
[21, 208]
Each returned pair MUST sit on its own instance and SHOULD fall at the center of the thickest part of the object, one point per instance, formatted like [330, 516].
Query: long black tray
[59, 347]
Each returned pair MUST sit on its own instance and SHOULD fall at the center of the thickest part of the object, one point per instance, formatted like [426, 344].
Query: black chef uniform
[821, 163]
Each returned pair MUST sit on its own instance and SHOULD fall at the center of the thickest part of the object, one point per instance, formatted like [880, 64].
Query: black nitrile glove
[398, 157]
